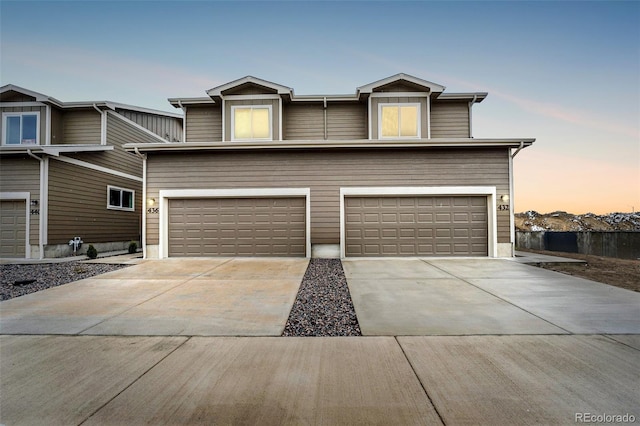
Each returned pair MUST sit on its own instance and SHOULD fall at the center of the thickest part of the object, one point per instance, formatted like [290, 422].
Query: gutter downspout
[144, 201]
[41, 217]
[325, 117]
[103, 125]
[470, 121]
[184, 120]
[518, 150]
[512, 230]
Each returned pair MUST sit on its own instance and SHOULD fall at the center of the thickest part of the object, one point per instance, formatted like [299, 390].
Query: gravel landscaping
[323, 306]
[18, 280]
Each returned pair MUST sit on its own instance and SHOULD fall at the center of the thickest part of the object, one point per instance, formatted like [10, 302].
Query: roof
[39, 97]
[54, 150]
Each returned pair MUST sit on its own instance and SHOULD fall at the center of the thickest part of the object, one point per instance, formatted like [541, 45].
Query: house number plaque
[153, 210]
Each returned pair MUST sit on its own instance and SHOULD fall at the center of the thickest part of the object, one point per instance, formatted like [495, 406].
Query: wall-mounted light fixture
[34, 202]
[505, 198]
[151, 201]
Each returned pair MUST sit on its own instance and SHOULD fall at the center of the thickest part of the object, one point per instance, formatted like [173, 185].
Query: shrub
[92, 252]
[133, 247]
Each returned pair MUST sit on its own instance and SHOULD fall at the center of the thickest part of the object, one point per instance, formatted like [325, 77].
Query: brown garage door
[415, 226]
[13, 228]
[237, 227]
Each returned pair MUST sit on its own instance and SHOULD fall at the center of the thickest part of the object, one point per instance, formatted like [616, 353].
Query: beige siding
[303, 121]
[168, 128]
[347, 120]
[81, 209]
[399, 100]
[325, 172]
[204, 123]
[81, 127]
[275, 114]
[57, 129]
[43, 119]
[22, 174]
[119, 132]
[449, 119]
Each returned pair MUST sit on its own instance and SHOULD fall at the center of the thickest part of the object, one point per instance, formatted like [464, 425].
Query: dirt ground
[608, 270]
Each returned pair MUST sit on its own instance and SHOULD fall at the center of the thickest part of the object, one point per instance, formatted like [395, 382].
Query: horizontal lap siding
[81, 209]
[57, 126]
[303, 121]
[347, 121]
[325, 172]
[204, 123]
[168, 128]
[22, 174]
[81, 127]
[449, 120]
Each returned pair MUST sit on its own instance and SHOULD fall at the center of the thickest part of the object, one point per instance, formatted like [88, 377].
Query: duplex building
[391, 170]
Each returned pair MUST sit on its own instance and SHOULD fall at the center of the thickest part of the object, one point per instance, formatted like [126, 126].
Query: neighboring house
[391, 170]
[64, 173]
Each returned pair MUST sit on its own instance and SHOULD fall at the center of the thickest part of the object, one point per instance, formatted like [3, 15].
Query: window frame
[399, 105]
[120, 207]
[5, 127]
[269, 108]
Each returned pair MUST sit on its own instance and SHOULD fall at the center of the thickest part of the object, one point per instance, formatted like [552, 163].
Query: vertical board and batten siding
[203, 123]
[81, 210]
[119, 132]
[43, 119]
[168, 128]
[303, 121]
[57, 129]
[81, 127]
[449, 119]
[347, 120]
[249, 89]
[400, 100]
[22, 174]
[275, 115]
[325, 172]
[12, 96]
[397, 87]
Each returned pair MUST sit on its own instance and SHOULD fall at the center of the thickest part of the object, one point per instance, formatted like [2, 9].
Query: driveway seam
[134, 381]
[153, 297]
[497, 297]
[424, 389]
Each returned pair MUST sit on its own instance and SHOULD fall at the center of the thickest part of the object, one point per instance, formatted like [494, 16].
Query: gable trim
[97, 168]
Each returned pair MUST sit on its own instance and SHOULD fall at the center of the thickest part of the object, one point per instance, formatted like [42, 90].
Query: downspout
[103, 127]
[144, 201]
[184, 121]
[325, 117]
[470, 105]
[41, 217]
[518, 150]
[512, 231]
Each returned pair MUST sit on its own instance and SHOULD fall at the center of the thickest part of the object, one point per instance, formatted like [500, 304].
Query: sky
[565, 73]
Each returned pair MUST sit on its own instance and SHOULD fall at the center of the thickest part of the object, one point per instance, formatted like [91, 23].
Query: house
[392, 170]
[64, 172]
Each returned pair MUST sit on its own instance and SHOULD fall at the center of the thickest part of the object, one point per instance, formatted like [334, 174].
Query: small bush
[92, 252]
[133, 247]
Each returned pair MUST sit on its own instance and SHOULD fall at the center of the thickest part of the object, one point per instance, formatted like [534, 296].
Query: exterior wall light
[505, 198]
[151, 201]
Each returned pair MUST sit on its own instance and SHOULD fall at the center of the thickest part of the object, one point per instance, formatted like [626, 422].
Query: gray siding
[399, 100]
[22, 174]
[249, 89]
[449, 119]
[57, 130]
[347, 120]
[303, 121]
[204, 123]
[43, 119]
[275, 115]
[325, 171]
[168, 128]
[81, 127]
[81, 209]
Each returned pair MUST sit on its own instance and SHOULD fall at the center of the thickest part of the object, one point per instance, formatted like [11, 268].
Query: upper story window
[399, 120]
[120, 198]
[251, 122]
[21, 128]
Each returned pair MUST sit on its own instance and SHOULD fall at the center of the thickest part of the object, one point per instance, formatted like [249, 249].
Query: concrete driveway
[476, 342]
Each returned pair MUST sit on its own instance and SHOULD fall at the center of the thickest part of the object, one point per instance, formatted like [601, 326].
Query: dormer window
[251, 122]
[399, 121]
[21, 128]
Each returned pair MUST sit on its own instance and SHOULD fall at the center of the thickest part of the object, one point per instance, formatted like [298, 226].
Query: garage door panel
[13, 221]
[416, 225]
[237, 227]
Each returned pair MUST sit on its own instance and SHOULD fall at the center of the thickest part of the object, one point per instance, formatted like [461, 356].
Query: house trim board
[95, 167]
[488, 191]
[21, 104]
[167, 194]
[26, 196]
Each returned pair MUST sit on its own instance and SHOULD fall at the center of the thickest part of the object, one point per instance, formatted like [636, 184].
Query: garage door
[237, 227]
[416, 226]
[14, 228]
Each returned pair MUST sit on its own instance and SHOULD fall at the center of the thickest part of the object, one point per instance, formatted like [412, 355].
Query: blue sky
[566, 73]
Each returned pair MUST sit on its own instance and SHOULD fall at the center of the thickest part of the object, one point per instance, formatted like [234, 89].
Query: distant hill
[563, 221]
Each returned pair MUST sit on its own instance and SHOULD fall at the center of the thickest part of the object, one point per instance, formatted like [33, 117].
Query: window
[251, 122]
[21, 128]
[399, 121]
[120, 198]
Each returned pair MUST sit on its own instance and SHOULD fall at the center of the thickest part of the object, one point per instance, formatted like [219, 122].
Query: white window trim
[19, 196]
[233, 120]
[166, 194]
[117, 188]
[399, 104]
[488, 191]
[5, 115]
